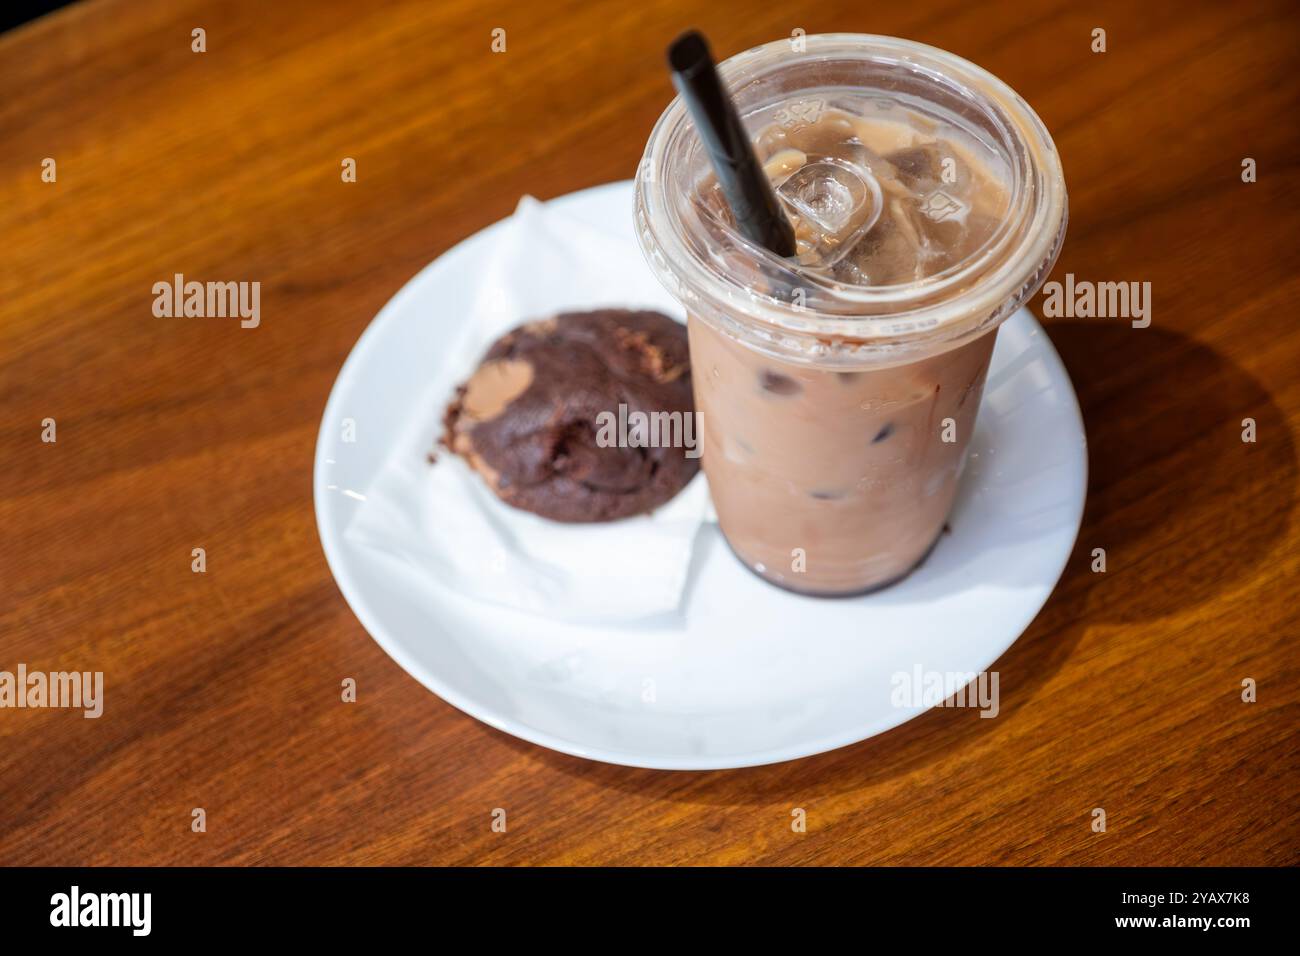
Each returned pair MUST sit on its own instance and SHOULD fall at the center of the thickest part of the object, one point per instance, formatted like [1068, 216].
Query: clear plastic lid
[927, 198]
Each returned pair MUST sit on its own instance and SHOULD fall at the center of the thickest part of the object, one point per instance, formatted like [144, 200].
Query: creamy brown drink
[843, 474]
[838, 389]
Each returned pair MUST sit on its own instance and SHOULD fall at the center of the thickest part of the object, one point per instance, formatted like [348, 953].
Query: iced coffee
[838, 388]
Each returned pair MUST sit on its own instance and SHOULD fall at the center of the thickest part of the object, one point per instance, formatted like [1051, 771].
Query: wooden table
[223, 687]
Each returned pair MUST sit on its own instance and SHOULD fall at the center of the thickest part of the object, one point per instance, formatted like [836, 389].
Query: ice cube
[832, 204]
[825, 134]
[782, 163]
[955, 239]
[918, 165]
[850, 272]
[827, 195]
[891, 253]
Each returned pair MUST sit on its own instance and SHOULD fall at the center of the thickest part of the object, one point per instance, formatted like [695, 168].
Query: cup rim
[926, 315]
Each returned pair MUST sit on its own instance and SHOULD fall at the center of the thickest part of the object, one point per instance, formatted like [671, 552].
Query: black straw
[744, 184]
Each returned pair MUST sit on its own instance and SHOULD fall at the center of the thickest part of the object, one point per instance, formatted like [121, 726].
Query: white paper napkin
[443, 522]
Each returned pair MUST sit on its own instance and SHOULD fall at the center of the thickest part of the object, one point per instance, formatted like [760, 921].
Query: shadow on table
[1168, 500]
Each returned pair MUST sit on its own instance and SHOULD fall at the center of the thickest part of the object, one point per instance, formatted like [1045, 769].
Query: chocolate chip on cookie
[529, 417]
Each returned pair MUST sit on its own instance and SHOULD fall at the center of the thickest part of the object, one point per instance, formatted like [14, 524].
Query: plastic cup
[838, 391]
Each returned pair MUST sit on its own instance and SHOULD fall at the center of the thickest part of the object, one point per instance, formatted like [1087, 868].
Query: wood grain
[1123, 694]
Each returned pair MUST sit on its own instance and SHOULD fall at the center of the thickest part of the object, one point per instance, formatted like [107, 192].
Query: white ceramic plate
[750, 674]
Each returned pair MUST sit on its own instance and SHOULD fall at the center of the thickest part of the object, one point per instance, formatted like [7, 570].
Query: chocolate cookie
[539, 418]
